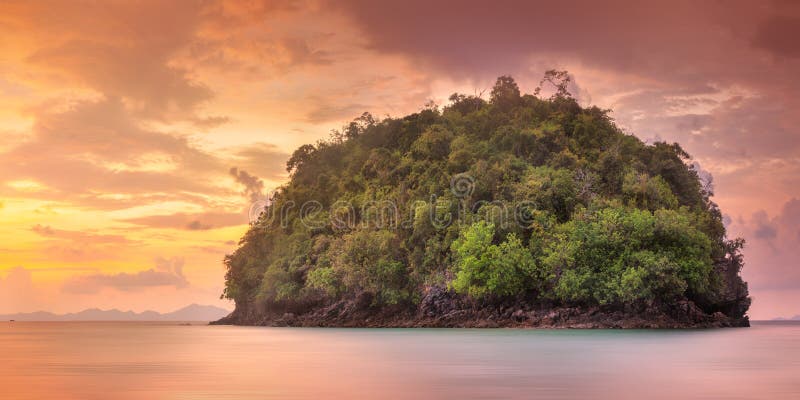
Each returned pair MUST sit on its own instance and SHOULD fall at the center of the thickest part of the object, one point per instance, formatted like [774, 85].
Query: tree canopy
[515, 197]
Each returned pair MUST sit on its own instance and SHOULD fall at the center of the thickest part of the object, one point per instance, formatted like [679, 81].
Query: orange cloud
[167, 272]
[200, 221]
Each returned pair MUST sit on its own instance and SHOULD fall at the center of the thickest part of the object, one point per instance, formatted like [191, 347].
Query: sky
[135, 134]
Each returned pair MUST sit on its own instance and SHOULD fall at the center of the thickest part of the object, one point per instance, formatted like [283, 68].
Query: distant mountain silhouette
[795, 318]
[193, 312]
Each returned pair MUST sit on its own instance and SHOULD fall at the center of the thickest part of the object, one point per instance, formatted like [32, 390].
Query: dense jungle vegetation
[514, 197]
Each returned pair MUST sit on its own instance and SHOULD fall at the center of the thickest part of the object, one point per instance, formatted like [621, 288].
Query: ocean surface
[96, 360]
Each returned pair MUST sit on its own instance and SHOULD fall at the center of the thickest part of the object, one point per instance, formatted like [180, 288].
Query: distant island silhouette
[192, 312]
[795, 318]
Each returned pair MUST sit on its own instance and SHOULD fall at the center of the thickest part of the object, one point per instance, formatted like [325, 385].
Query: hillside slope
[517, 211]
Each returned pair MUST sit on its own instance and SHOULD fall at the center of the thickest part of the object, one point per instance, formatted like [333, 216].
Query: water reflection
[169, 361]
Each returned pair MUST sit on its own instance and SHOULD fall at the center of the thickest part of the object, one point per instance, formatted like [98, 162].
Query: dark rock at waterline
[441, 308]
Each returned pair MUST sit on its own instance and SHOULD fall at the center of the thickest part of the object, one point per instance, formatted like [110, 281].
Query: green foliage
[640, 190]
[299, 157]
[552, 190]
[483, 268]
[433, 144]
[324, 279]
[365, 261]
[619, 255]
[277, 284]
[505, 93]
[562, 207]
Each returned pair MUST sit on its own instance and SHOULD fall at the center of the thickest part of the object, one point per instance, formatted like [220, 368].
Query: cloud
[196, 225]
[197, 221]
[325, 111]
[78, 236]
[17, 291]
[785, 223]
[43, 230]
[104, 130]
[119, 49]
[299, 52]
[212, 249]
[474, 38]
[127, 64]
[129, 164]
[167, 272]
[789, 219]
[253, 186]
[763, 227]
[95, 155]
[261, 159]
[347, 99]
[210, 122]
[77, 246]
[772, 248]
[231, 38]
[778, 36]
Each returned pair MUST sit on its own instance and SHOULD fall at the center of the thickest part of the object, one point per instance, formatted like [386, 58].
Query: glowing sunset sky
[121, 122]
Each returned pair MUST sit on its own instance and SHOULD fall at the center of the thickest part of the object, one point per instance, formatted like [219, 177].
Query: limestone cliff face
[735, 299]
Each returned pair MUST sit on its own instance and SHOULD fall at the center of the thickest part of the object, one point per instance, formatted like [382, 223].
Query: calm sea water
[83, 360]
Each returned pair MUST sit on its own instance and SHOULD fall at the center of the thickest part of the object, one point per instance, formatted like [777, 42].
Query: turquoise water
[82, 360]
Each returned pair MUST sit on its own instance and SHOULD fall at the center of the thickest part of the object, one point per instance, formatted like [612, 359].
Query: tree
[642, 191]
[617, 255]
[484, 269]
[359, 125]
[365, 262]
[465, 104]
[560, 80]
[300, 156]
[505, 93]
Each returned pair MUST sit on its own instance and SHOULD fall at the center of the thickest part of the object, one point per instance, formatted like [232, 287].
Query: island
[523, 210]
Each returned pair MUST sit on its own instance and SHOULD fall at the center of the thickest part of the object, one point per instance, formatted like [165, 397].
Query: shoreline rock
[443, 309]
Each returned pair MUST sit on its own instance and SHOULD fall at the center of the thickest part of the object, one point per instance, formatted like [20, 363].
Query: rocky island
[519, 211]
